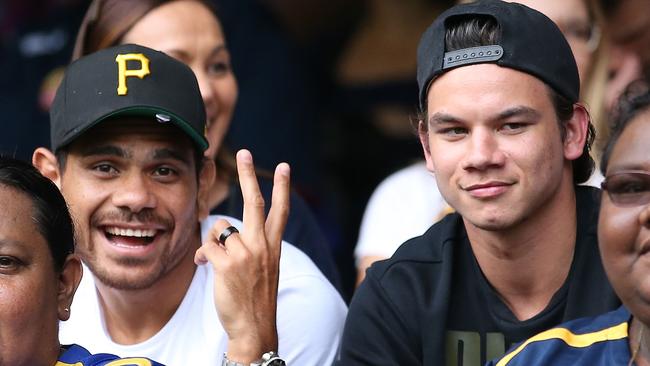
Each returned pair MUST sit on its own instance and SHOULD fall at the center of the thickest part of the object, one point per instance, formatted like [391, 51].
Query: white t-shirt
[403, 206]
[310, 318]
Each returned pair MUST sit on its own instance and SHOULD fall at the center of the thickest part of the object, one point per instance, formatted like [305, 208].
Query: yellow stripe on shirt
[574, 340]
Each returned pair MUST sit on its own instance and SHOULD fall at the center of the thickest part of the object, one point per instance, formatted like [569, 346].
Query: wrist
[250, 348]
[267, 359]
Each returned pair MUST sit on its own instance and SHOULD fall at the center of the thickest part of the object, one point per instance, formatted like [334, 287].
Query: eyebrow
[440, 118]
[218, 49]
[174, 154]
[184, 55]
[517, 111]
[10, 243]
[158, 154]
[106, 150]
[628, 166]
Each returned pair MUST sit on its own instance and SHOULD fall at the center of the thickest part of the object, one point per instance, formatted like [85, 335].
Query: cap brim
[148, 111]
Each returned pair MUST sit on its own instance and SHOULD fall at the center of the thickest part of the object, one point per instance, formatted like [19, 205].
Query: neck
[529, 262]
[133, 316]
[639, 335]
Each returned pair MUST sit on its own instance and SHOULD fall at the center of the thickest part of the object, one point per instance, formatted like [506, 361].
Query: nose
[483, 151]
[134, 194]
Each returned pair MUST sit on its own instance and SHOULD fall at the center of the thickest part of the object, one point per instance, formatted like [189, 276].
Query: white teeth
[138, 233]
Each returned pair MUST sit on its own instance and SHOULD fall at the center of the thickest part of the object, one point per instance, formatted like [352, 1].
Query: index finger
[253, 216]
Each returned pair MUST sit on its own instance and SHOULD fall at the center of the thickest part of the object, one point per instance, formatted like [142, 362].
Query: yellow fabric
[574, 340]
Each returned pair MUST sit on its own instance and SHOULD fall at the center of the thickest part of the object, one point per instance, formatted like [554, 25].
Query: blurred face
[188, 31]
[572, 17]
[624, 230]
[28, 286]
[630, 28]
[494, 144]
[132, 187]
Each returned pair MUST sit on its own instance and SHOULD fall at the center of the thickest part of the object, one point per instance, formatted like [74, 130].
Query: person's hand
[246, 268]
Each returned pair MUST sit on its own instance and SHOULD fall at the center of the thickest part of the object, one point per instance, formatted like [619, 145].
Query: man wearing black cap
[503, 132]
[127, 152]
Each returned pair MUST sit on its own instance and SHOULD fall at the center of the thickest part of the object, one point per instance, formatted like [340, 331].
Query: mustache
[146, 216]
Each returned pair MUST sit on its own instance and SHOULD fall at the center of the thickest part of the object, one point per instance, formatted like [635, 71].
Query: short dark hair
[483, 30]
[50, 215]
[634, 101]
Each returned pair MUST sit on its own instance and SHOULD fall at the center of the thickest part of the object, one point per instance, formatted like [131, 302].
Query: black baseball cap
[530, 42]
[127, 80]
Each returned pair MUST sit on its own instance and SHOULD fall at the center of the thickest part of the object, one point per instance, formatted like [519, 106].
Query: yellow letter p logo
[123, 72]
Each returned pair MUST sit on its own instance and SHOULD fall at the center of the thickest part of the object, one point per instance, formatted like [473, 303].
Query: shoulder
[310, 311]
[578, 341]
[433, 247]
[418, 273]
[413, 184]
[404, 205]
[76, 355]
[299, 273]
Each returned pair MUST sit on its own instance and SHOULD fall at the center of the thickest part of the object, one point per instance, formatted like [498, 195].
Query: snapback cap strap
[472, 55]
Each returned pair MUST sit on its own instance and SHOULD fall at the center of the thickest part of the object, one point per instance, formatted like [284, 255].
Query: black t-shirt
[480, 326]
[431, 305]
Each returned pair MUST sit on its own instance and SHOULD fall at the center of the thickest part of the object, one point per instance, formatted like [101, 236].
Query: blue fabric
[79, 356]
[608, 352]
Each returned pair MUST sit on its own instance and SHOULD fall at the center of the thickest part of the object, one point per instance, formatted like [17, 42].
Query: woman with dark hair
[190, 31]
[39, 273]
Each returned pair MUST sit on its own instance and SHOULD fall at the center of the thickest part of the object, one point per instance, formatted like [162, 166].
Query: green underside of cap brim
[148, 111]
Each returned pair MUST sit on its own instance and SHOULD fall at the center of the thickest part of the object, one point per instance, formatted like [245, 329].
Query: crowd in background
[328, 86]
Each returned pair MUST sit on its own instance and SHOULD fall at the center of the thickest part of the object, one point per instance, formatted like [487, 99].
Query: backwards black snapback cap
[127, 80]
[529, 42]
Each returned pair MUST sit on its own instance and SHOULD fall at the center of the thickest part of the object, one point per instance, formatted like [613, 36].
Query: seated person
[620, 337]
[39, 273]
[130, 162]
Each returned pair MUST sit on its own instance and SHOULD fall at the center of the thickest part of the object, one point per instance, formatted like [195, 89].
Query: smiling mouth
[487, 190]
[130, 237]
[486, 186]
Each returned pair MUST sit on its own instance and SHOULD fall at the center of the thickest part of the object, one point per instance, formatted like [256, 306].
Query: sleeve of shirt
[375, 332]
[310, 316]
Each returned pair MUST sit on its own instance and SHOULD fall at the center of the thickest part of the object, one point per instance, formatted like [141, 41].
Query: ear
[206, 180]
[423, 134]
[576, 132]
[68, 282]
[45, 161]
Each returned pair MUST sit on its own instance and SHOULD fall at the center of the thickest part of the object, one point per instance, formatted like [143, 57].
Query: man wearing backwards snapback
[503, 132]
[127, 154]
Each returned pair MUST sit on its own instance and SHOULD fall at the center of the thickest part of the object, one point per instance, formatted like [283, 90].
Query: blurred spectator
[366, 131]
[38, 36]
[629, 27]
